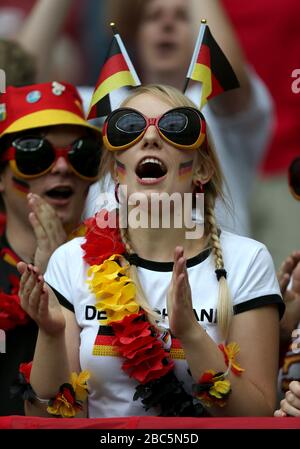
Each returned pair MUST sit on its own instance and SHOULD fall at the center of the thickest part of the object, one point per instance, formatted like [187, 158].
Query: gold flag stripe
[177, 354]
[202, 73]
[112, 351]
[114, 82]
[105, 350]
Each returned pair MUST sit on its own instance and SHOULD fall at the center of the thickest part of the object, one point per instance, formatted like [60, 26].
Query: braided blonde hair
[213, 189]
[224, 307]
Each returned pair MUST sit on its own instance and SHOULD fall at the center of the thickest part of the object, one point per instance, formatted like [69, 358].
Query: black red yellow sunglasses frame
[155, 122]
[9, 156]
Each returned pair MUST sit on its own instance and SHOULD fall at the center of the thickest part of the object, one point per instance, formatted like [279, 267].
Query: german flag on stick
[117, 72]
[210, 66]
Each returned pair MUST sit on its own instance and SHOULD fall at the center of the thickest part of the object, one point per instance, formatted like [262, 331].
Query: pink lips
[150, 181]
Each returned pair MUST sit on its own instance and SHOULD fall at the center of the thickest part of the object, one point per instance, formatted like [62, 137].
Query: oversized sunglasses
[294, 178]
[183, 127]
[33, 156]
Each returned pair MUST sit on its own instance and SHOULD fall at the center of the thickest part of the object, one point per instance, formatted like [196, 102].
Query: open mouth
[166, 47]
[151, 169]
[60, 193]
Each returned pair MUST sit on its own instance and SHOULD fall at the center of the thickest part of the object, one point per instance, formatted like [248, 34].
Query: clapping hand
[48, 230]
[181, 315]
[39, 301]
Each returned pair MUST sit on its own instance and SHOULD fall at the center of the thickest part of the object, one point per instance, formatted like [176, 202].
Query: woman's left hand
[181, 315]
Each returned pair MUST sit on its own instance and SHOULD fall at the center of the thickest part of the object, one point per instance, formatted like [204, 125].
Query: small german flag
[117, 72]
[210, 66]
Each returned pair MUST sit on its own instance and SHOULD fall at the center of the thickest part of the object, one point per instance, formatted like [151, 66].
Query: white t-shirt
[240, 140]
[252, 282]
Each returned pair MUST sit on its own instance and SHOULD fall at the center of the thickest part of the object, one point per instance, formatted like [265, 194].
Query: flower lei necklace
[136, 339]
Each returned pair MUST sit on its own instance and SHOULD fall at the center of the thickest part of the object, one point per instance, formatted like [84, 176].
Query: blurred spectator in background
[269, 34]
[161, 35]
[95, 38]
[18, 64]
[289, 374]
[289, 280]
[47, 34]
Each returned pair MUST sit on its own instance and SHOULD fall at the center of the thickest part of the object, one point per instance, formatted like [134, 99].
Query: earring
[117, 192]
[199, 187]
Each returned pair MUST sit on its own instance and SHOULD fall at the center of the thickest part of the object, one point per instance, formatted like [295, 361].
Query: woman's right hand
[39, 301]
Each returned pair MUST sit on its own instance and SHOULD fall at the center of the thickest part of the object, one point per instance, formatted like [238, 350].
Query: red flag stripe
[216, 87]
[113, 65]
[205, 59]
[92, 112]
[204, 56]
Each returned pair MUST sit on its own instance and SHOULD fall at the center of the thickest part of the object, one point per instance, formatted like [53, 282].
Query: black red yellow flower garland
[136, 339]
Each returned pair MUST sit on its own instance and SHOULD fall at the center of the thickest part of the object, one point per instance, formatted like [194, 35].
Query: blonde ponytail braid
[224, 307]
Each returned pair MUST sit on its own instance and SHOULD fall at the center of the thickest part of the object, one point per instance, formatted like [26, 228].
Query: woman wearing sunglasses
[49, 156]
[153, 322]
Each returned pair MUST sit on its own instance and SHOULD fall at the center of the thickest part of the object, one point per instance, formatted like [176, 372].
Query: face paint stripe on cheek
[20, 185]
[121, 169]
[185, 168]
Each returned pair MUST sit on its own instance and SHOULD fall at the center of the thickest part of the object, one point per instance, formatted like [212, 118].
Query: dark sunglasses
[294, 178]
[33, 156]
[183, 127]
